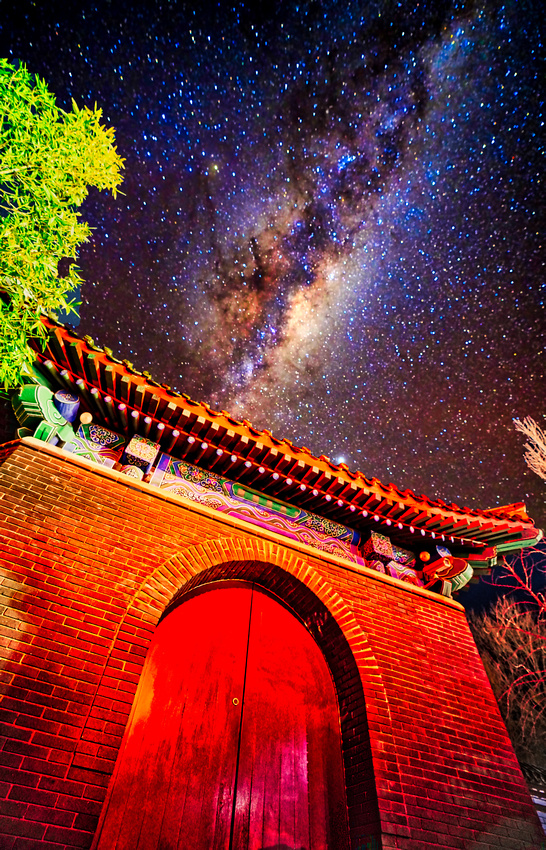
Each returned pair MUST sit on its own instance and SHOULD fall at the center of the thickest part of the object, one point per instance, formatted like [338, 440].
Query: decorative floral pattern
[99, 434]
[184, 479]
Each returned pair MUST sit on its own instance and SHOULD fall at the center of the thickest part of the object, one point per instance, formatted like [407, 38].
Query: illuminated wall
[90, 561]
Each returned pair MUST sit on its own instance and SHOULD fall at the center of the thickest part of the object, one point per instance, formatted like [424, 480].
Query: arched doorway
[234, 739]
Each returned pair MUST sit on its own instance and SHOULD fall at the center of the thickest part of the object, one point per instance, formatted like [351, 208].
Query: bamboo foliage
[49, 159]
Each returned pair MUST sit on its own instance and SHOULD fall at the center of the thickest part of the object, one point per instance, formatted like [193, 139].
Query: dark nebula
[332, 222]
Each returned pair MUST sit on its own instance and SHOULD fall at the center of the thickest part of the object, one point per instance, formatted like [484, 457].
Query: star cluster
[331, 222]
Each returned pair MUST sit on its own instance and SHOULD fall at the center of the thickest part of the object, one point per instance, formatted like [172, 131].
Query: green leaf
[48, 160]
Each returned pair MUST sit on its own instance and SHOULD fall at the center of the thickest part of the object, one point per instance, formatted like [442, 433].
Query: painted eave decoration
[151, 432]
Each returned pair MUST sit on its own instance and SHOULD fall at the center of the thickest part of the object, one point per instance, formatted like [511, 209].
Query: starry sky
[332, 219]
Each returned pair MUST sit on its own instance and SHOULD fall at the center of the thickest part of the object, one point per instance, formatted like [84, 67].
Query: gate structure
[212, 639]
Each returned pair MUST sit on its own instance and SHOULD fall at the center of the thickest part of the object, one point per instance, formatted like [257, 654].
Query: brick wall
[90, 560]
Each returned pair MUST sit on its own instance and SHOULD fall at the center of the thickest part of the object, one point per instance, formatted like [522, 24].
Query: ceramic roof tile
[74, 357]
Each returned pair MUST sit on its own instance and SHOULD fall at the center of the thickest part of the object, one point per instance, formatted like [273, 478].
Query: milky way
[332, 220]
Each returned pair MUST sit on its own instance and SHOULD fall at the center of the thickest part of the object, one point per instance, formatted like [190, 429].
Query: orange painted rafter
[131, 401]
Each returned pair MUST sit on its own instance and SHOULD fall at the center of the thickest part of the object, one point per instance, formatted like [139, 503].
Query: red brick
[10, 759]
[95, 792]
[13, 808]
[32, 844]
[15, 826]
[44, 767]
[55, 741]
[87, 822]
[24, 748]
[10, 731]
[45, 814]
[33, 795]
[41, 723]
[63, 786]
[80, 805]
[71, 837]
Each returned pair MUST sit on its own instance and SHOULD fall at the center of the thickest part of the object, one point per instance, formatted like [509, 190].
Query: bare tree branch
[535, 449]
[511, 639]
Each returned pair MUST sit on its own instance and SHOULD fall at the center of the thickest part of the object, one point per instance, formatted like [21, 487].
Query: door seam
[234, 804]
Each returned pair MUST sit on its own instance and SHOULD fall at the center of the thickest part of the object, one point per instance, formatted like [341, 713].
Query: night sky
[332, 220]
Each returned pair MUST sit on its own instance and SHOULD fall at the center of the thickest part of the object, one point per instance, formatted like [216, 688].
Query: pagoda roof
[129, 401]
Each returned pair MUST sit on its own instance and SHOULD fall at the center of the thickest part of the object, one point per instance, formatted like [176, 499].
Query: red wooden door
[233, 742]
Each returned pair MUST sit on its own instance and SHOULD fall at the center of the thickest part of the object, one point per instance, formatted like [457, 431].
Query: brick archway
[294, 579]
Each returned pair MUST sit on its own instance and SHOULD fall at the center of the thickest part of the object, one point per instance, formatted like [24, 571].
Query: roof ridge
[391, 492]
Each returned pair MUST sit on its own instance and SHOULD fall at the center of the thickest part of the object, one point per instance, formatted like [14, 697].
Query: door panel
[196, 770]
[290, 785]
[174, 780]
